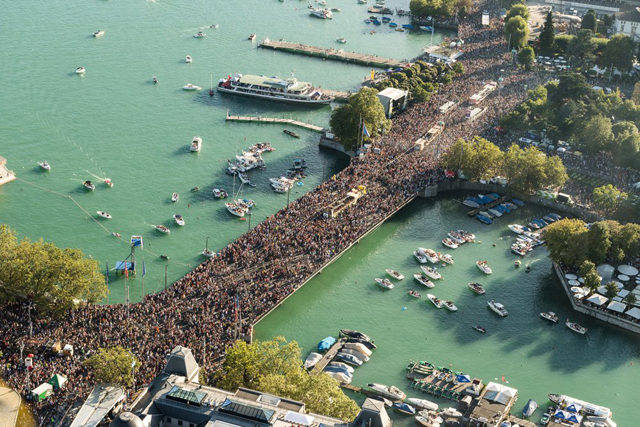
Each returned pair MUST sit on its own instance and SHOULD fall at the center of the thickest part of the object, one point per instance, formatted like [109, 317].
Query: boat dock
[338, 95]
[365, 391]
[9, 407]
[332, 54]
[328, 356]
[6, 175]
[432, 381]
[260, 119]
[500, 201]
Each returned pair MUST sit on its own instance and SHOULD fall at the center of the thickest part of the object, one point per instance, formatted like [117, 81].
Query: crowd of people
[220, 300]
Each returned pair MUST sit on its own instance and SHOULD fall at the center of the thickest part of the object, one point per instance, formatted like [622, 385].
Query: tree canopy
[596, 135]
[548, 36]
[516, 32]
[529, 170]
[115, 365]
[589, 21]
[437, 7]
[518, 10]
[619, 52]
[276, 367]
[526, 57]
[608, 198]
[582, 46]
[52, 278]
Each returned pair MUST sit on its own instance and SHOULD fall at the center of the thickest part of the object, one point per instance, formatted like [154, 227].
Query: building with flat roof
[393, 100]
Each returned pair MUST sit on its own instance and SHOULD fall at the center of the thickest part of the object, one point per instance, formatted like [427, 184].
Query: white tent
[634, 312]
[623, 293]
[617, 306]
[606, 271]
[597, 299]
[499, 393]
[298, 418]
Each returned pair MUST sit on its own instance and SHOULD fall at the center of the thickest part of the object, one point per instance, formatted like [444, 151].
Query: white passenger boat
[449, 243]
[437, 302]
[235, 209]
[449, 305]
[431, 255]
[396, 275]
[312, 360]
[516, 228]
[484, 267]
[423, 404]
[199, 35]
[576, 328]
[423, 279]
[390, 392]
[103, 214]
[162, 229]
[98, 33]
[431, 272]
[196, 144]
[549, 315]
[420, 257]
[178, 219]
[321, 13]
[175, 197]
[275, 89]
[498, 308]
[80, 70]
[188, 59]
[191, 87]
[384, 283]
[45, 165]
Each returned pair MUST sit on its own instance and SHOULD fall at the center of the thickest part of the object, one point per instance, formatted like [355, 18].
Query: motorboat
[80, 70]
[89, 185]
[449, 305]
[188, 59]
[431, 272]
[191, 87]
[510, 206]
[103, 214]
[407, 26]
[208, 253]
[450, 412]
[220, 193]
[244, 178]
[430, 254]
[108, 182]
[359, 347]
[420, 257]
[457, 238]
[529, 408]
[321, 13]
[519, 249]
[341, 377]
[393, 24]
[426, 27]
[341, 40]
[369, 344]
[214, 26]
[477, 288]
[155, 79]
[479, 329]
[435, 301]
[404, 408]
[414, 294]
[252, 37]
[384, 283]
[495, 212]
[178, 219]
[549, 315]
[423, 279]
[336, 9]
[235, 209]
[518, 202]
[469, 202]
[498, 308]
[338, 369]
[165, 257]
[360, 336]
[390, 392]
[98, 33]
[423, 404]
[246, 203]
[299, 164]
[348, 358]
[426, 422]
[576, 328]
[199, 35]
[446, 258]
[175, 197]
[367, 21]
[343, 366]
[356, 353]
[393, 273]
[484, 267]
[483, 219]
[196, 144]
[162, 229]
[290, 133]
[362, 1]
[312, 360]
[485, 214]
[45, 165]
[449, 243]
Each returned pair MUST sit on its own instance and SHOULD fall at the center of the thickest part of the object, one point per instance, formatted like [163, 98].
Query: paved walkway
[9, 407]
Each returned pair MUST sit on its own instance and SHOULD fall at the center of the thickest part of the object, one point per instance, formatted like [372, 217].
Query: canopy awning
[58, 380]
[617, 306]
[628, 270]
[634, 312]
[597, 299]
[574, 407]
[298, 418]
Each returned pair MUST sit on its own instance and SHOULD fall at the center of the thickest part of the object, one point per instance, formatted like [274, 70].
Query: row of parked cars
[532, 139]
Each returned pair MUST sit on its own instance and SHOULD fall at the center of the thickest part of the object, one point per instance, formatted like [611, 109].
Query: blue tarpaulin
[326, 343]
[463, 378]
[120, 265]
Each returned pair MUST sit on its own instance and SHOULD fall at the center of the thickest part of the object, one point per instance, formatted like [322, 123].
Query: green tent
[57, 381]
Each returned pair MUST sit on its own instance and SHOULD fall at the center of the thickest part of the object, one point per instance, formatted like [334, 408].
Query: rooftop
[628, 13]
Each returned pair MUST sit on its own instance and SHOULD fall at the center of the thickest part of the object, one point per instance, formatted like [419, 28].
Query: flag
[144, 268]
[503, 380]
[107, 275]
[126, 269]
[365, 131]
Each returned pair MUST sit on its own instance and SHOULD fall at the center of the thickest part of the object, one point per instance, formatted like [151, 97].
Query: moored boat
[196, 144]
[188, 59]
[484, 267]
[576, 328]
[393, 273]
[431, 272]
[430, 254]
[446, 258]
[449, 305]
[89, 185]
[175, 197]
[220, 193]
[191, 87]
[479, 329]
[341, 40]
[549, 315]
[390, 392]
[312, 360]
[529, 408]
[437, 302]
[477, 288]
[236, 210]
[98, 33]
[45, 165]
[360, 336]
[348, 358]
[359, 347]
[423, 404]
[423, 279]
[341, 377]
[426, 422]
[404, 408]
[420, 257]
[104, 214]
[449, 243]
[356, 353]
[414, 294]
[344, 366]
[208, 253]
[178, 219]
[498, 308]
[80, 70]
[162, 229]
[291, 133]
[384, 283]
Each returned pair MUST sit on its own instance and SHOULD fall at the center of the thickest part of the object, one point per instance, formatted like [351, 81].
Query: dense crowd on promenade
[220, 299]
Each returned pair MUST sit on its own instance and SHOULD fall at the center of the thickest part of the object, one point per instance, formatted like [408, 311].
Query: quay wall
[591, 311]
[333, 145]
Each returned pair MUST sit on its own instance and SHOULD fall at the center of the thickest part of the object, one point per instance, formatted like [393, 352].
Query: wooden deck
[260, 119]
[332, 54]
[328, 357]
[429, 383]
[488, 206]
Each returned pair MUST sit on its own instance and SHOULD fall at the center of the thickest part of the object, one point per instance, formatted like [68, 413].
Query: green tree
[592, 279]
[599, 241]
[596, 134]
[508, 4]
[571, 86]
[526, 56]
[425, 7]
[365, 106]
[589, 21]
[564, 240]
[631, 299]
[478, 159]
[530, 170]
[582, 46]
[516, 32]
[607, 20]
[420, 95]
[612, 289]
[548, 36]
[115, 365]
[518, 10]
[458, 156]
[625, 152]
[275, 367]
[458, 68]
[619, 52]
[608, 198]
[635, 97]
[53, 278]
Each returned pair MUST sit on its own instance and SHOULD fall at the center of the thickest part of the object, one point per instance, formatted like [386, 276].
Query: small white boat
[495, 212]
[420, 257]
[179, 219]
[450, 412]
[339, 376]
[235, 209]
[384, 283]
[449, 305]
[425, 422]
[341, 40]
[431, 272]
[45, 165]
[188, 59]
[356, 353]
[219, 193]
[431, 255]
[516, 228]
[576, 328]
[396, 275]
[362, 1]
[498, 308]
[423, 404]
[423, 279]
[98, 33]
[437, 302]
[358, 347]
[252, 37]
[199, 35]
[477, 288]
[312, 360]
[208, 253]
[103, 214]
[390, 392]
[189, 86]
[214, 26]
[414, 294]
[549, 315]
[162, 229]
[175, 197]
[80, 70]
[449, 243]
[196, 144]
[446, 258]
[484, 267]
[89, 185]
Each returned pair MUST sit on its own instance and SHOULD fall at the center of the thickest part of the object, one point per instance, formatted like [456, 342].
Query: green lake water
[534, 355]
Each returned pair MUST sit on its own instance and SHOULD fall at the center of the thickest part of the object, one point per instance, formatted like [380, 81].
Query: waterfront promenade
[221, 299]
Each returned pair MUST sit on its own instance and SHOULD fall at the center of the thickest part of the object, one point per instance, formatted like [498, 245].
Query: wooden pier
[488, 206]
[364, 391]
[260, 119]
[427, 380]
[333, 54]
[328, 357]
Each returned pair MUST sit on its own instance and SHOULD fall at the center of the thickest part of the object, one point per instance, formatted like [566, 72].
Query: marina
[439, 382]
